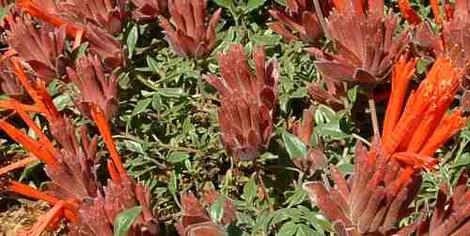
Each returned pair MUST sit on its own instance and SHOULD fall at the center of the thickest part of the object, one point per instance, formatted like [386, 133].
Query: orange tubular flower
[408, 12]
[34, 10]
[102, 123]
[436, 11]
[422, 127]
[387, 178]
[70, 164]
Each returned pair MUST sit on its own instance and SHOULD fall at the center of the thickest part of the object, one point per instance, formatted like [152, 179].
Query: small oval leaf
[125, 219]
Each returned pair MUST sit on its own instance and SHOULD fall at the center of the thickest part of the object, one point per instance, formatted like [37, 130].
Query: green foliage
[124, 220]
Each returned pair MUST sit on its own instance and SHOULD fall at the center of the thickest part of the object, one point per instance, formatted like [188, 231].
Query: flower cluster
[70, 163]
[387, 177]
[247, 101]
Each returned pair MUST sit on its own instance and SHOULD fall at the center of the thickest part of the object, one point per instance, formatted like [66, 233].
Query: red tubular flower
[408, 12]
[196, 221]
[42, 48]
[188, 33]
[44, 13]
[146, 10]
[299, 21]
[387, 178]
[95, 87]
[247, 101]
[365, 43]
[71, 165]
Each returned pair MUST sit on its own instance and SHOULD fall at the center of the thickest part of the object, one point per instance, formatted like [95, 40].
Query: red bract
[451, 212]
[9, 85]
[71, 165]
[146, 10]
[369, 203]
[188, 33]
[42, 48]
[386, 178]
[333, 95]
[300, 21]
[106, 14]
[95, 87]
[247, 101]
[315, 159]
[102, 43]
[454, 39]
[366, 45]
[196, 221]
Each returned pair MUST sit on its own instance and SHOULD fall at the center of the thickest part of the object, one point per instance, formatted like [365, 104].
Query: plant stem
[373, 116]
[321, 18]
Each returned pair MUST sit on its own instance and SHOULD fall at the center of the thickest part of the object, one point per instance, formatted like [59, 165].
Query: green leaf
[125, 219]
[296, 198]
[352, 94]
[224, 3]
[253, 5]
[304, 230]
[422, 65]
[177, 157]
[172, 92]
[217, 209]
[141, 106]
[462, 160]
[294, 146]
[132, 40]
[134, 146]
[249, 191]
[152, 64]
[5, 10]
[62, 101]
[288, 229]
[173, 184]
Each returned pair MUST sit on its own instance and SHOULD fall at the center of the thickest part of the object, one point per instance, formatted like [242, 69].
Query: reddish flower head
[42, 48]
[95, 87]
[366, 45]
[102, 43]
[451, 212]
[106, 14]
[387, 178]
[300, 20]
[196, 220]
[187, 31]
[247, 101]
[75, 192]
[146, 10]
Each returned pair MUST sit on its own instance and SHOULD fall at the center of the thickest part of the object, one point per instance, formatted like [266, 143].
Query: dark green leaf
[288, 229]
[294, 146]
[152, 64]
[141, 106]
[253, 5]
[177, 157]
[217, 209]
[125, 219]
[132, 40]
[224, 3]
[249, 191]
